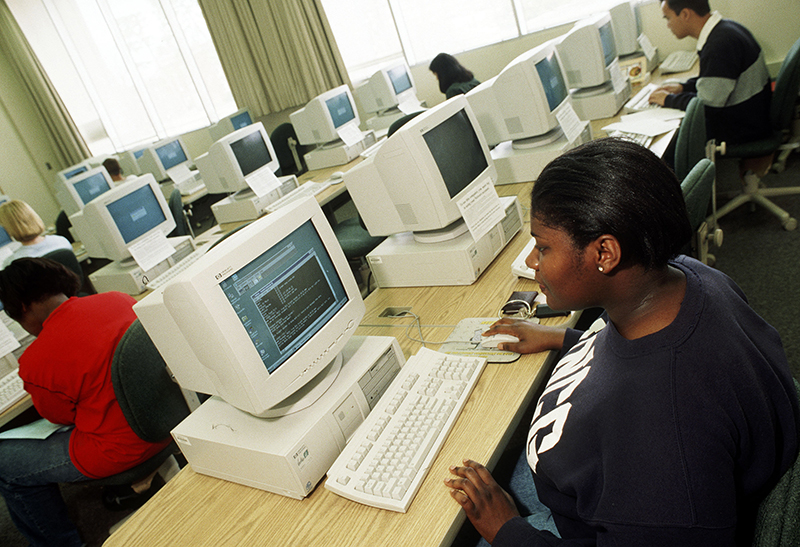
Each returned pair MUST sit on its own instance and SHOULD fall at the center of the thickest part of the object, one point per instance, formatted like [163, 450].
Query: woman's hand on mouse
[533, 337]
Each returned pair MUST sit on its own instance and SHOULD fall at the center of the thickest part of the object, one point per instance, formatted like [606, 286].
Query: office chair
[356, 242]
[63, 225]
[289, 151]
[151, 402]
[754, 153]
[690, 145]
[67, 258]
[182, 225]
[698, 188]
[777, 523]
[400, 122]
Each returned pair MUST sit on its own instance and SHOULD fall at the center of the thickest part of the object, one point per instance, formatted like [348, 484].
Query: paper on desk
[350, 134]
[481, 209]
[647, 46]
[40, 429]
[654, 114]
[264, 183]
[619, 78]
[409, 106]
[570, 124]
[151, 250]
[8, 342]
[649, 127]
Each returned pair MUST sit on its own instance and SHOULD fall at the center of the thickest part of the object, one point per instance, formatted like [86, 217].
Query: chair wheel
[790, 224]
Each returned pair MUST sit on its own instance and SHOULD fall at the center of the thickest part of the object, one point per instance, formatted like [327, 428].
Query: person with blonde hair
[23, 224]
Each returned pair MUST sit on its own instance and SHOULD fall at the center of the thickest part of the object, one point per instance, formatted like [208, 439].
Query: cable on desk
[418, 322]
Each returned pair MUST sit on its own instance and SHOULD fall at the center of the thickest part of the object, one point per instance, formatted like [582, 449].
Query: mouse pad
[465, 340]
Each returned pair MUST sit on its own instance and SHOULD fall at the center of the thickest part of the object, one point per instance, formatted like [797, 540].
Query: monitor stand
[289, 455]
[310, 393]
[602, 101]
[337, 152]
[245, 205]
[522, 161]
[402, 261]
[451, 231]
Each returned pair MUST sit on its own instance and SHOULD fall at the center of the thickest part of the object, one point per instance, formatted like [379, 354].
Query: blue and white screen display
[607, 40]
[286, 295]
[136, 213]
[171, 154]
[91, 187]
[340, 109]
[241, 120]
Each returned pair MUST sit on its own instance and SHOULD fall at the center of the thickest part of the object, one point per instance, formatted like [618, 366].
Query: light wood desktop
[194, 509]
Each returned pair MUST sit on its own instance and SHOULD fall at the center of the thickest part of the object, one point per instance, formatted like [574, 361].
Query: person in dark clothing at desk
[733, 82]
[453, 78]
[671, 417]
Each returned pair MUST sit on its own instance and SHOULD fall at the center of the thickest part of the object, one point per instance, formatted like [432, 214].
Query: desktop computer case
[128, 277]
[290, 455]
[401, 261]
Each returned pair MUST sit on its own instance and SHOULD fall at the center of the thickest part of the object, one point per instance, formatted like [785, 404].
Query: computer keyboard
[307, 189]
[389, 455]
[678, 61]
[641, 101]
[164, 278]
[638, 138]
[11, 390]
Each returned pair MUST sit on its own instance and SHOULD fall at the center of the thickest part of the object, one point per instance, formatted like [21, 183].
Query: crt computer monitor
[83, 188]
[626, 28]
[320, 120]
[229, 162]
[129, 161]
[126, 215]
[387, 88]
[237, 120]
[417, 177]
[164, 155]
[262, 316]
[521, 101]
[587, 51]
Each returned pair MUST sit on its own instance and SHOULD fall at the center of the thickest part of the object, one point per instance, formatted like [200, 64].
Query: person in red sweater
[67, 371]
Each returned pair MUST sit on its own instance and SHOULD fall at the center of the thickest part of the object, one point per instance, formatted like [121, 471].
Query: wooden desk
[194, 509]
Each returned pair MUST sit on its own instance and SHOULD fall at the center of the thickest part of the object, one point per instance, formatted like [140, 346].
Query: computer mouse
[336, 177]
[495, 339]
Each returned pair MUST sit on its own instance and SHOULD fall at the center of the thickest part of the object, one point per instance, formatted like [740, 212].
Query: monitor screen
[241, 120]
[136, 213]
[138, 153]
[91, 187]
[607, 40]
[399, 78]
[251, 152]
[76, 171]
[457, 152]
[286, 295]
[555, 88]
[341, 109]
[171, 154]
[261, 314]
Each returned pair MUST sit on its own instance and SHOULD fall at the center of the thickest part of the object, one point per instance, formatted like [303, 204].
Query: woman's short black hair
[612, 186]
[29, 280]
[449, 71]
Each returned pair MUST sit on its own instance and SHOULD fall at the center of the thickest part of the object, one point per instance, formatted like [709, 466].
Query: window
[417, 30]
[129, 73]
